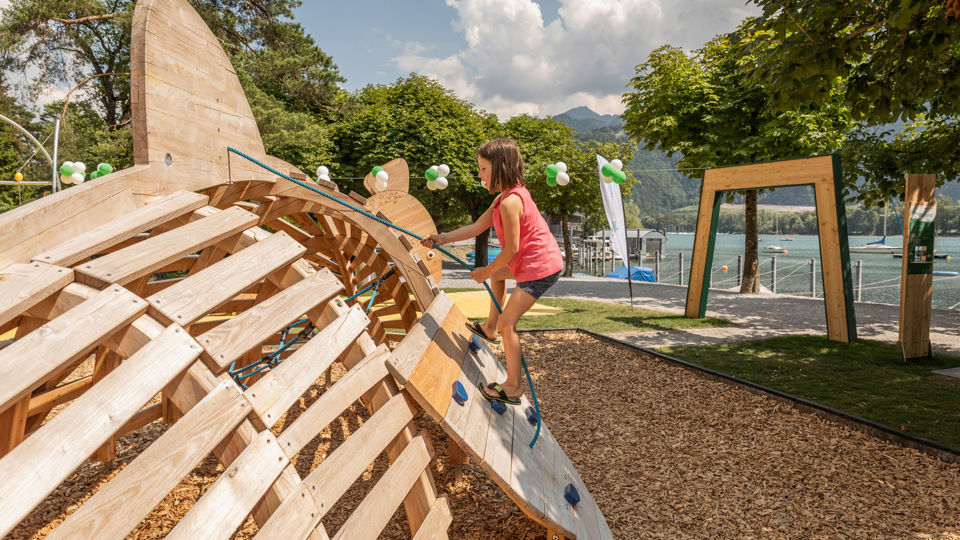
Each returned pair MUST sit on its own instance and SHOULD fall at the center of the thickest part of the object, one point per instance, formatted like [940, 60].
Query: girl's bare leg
[520, 302]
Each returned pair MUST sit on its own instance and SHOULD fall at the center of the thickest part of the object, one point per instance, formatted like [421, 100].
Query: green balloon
[94, 175]
[619, 177]
[551, 180]
[376, 170]
[607, 170]
[552, 171]
[66, 170]
[104, 168]
[431, 174]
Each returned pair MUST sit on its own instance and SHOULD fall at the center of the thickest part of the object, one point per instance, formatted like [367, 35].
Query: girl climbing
[529, 254]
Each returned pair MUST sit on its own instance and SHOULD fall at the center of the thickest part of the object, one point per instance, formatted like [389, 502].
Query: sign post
[916, 285]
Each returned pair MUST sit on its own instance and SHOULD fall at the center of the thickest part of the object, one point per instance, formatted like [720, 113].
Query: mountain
[584, 121]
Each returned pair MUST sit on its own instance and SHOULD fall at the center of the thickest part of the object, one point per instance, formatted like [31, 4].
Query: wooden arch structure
[158, 278]
[823, 173]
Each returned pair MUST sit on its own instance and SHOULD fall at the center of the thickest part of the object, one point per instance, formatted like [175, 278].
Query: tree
[701, 107]
[894, 60]
[422, 122]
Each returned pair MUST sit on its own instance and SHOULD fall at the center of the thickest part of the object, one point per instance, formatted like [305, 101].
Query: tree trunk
[567, 246]
[751, 282]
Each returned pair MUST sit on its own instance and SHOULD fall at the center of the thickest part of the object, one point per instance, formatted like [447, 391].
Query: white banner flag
[613, 206]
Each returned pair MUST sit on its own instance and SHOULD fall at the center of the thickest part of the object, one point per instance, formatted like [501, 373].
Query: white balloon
[322, 171]
[432, 185]
[562, 167]
[70, 163]
[77, 177]
[79, 167]
[616, 164]
[441, 182]
[324, 177]
[383, 176]
[65, 178]
[381, 184]
[563, 178]
[443, 170]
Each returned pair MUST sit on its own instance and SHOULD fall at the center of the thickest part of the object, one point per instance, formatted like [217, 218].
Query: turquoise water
[880, 273]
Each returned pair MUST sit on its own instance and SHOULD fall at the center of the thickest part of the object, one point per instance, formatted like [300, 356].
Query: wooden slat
[227, 342]
[407, 355]
[334, 401]
[772, 174]
[23, 286]
[121, 503]
[228, 501]
[437, 522]
[296, 517]
[271, 396]
[59, 395]
[143, 258]
[373, 514]
[199, 294]
[35, 467]
[144, 218]
[25, 363]
[526, 475]
[338, 472]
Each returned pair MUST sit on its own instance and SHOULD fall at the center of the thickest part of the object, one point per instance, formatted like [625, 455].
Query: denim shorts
[537, 287]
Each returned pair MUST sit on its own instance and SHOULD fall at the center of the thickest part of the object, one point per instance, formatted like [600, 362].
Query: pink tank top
[538, 255]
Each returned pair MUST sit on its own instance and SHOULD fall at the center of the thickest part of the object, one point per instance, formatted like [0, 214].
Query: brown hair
[505, 162]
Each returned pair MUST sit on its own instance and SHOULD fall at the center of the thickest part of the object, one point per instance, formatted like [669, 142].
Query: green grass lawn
[867, 379]
[606, 318]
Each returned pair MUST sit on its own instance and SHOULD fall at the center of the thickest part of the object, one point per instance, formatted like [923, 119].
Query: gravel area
[665, 451]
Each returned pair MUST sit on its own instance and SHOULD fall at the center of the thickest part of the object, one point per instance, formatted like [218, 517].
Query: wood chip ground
[666, 452]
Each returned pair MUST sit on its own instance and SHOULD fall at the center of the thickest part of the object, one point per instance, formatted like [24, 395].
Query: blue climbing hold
[498, 406]
[474, 344]
[571, 494]
[532, 415]
[459, 393]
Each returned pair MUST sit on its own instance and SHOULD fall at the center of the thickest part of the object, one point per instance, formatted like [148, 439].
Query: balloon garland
[557, 174]
[613, 172]
[323, 173]
[437, 177]
[76, 172]
[381, 175]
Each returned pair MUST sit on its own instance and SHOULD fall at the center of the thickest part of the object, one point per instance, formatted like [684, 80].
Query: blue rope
[408, 233]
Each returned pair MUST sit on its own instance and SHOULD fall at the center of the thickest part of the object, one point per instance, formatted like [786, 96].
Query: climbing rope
[357, 209]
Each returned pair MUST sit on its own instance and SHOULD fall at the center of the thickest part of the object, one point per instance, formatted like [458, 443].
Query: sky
[510, 57]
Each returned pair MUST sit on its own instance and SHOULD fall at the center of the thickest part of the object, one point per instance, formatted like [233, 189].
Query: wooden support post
[106, 362]
[458, 458]
[916, 287]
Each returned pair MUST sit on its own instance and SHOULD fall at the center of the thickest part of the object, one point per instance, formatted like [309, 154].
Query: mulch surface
[665, 451]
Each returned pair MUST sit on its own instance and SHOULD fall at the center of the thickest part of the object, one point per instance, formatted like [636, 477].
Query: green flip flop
[498, 389]
[478, 330]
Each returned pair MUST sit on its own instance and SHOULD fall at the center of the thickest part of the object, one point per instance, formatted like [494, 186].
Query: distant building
[646, 241]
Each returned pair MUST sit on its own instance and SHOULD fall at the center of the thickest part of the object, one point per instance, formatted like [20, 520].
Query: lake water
[880, 273]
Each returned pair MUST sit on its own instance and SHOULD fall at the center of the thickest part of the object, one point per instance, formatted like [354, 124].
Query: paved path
[755, 316]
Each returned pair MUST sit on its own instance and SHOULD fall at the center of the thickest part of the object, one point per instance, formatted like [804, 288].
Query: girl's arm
[475, 229]
[511, 209]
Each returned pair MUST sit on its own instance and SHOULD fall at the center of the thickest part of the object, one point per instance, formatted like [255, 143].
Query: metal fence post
[656, 267]
[813, 278]
[739, 270]
[681, 268]
[773, 275]
[858, 268]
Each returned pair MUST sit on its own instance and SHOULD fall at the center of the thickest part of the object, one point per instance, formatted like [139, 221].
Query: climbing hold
[531, 415]
[474, 344]
[459, 393]
[498, 406]
[571, 494]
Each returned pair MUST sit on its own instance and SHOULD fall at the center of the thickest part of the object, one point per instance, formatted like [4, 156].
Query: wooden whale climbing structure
[168, 275]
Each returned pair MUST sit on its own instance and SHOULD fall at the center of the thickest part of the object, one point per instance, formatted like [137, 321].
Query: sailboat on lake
[775, 248]
[879, 246]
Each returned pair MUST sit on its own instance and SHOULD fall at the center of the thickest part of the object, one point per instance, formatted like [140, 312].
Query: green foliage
[424, 123]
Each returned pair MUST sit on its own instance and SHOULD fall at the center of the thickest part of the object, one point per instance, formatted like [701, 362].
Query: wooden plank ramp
[439, 351]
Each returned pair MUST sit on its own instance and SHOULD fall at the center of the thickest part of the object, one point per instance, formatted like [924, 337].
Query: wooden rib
[231, 339]
[141, 259]
[121, 503]
[290, 520]
[23, 286]
[338, 472]
[407, 355]
[435, 526]
[199, 294]
[228, 501]
[373, 514]
[63, 340]
[273, 395]
[103, 237]
[59, 395]
[334, 401]
[35, 467]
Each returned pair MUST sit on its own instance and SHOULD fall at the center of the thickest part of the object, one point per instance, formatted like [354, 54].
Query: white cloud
[516, 62]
